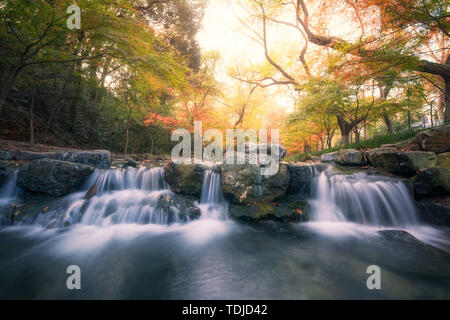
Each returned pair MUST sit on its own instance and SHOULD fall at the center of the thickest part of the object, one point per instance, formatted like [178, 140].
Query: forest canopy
[95, 86]
[326, 73]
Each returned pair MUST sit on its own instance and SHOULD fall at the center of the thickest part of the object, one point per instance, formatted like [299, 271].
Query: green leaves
[87, 79]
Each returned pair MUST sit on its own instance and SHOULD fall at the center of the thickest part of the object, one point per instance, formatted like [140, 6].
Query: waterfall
[212, 204]
[122, 196]
[8, 189]
[8, 192]
[138, 196]
[130, 178]
[211, 192]
[362, 198]
[125, 206]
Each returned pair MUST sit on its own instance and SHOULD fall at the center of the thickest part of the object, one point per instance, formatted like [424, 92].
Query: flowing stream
[125, 232]
[364, 199]
[359, 204]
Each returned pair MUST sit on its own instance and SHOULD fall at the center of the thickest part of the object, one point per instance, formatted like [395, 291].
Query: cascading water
[131, 178]
[136, 196]
[360, 204]
[362, 198]
[116, 196]
[127, 247]
[212, 204]
[8, 189]
[8, 192]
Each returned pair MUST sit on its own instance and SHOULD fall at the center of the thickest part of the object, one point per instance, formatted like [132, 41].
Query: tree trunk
[388, 122]
[447, 101]
[4, 91]
[77, 70]
[346, 129]
[125, 149]
[431, 115]
[385, 88]
[7, 84]
[440, 108]
[151, 146]
[32, 118]
[345, 138]
[357, 136]
[306, 146]
[330, 138]
[365, 131]
[409, 121]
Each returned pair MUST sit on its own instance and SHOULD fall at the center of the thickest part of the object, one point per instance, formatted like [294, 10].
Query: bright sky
[223, 32]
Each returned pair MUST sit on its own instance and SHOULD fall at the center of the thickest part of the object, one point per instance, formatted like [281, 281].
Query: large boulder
[329, 157]
[31, 204]
[403, 237]
[435, 211]
[350, 157]
[184, 178]
[5, 155]
[96, 158]
[53, 177]
[137, 157]
[178, 207]
[432, 181]
[399, 235]
[302, 176]
[444, 160]
[404, 163]
[409, 144]
[291, 209]
[370, 154]
[124, 163]
[244, 183]
[30, 155]
[436, 139]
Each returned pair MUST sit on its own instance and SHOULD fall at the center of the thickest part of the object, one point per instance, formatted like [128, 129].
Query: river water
[127, 248]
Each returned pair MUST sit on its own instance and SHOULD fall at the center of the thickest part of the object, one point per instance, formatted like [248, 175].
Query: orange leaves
[168, 122]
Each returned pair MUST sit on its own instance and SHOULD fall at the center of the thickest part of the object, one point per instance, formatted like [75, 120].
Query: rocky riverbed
[422, 164]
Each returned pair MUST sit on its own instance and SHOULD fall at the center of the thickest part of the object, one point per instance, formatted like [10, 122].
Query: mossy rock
[184, 178]
[350, 157]
[444, 160]
[404, 164]
[432, 182]
[436, 139]
[244, 184]
[288, 209]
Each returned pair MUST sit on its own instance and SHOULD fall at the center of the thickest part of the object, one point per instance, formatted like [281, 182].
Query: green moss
[264, 210]
[444, 160]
